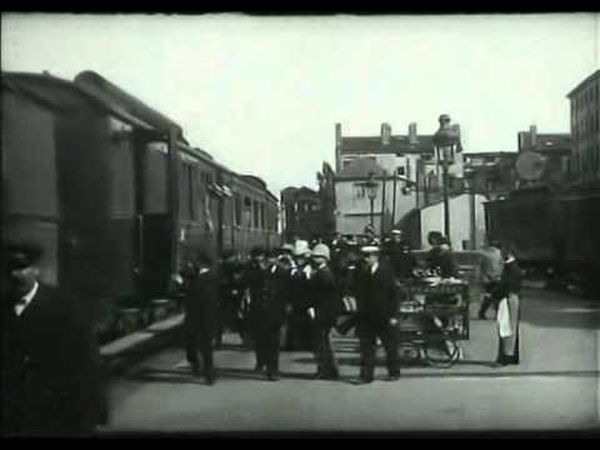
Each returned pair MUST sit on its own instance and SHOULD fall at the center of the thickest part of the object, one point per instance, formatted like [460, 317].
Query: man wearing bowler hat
[51, 382]
[201, 314]
[377, 307]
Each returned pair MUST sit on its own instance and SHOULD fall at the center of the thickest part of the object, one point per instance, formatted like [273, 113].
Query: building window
[359, 192]
[238, 210]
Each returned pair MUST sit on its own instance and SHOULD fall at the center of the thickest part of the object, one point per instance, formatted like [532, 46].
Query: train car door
[153, 222]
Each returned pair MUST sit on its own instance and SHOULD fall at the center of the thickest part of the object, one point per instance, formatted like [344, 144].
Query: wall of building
[390, 162]
[353, 205]
[432, 219]
[584, 165]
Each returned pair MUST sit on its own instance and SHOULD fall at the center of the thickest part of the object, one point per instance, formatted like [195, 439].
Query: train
[114, 193]
[554, 232]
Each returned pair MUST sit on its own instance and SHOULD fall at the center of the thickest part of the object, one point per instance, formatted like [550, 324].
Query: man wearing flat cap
[51, 382]
[377, 306]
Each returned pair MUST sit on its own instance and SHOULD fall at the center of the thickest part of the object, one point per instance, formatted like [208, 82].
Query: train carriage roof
[115, 99]
[57, 94]
[90, 90]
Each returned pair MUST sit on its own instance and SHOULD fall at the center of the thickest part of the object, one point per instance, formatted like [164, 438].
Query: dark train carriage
[527, 220]
[75, 173]
[255, 214]
[112, 191]
[580, 231]
[198, 222]
[89, 181]
[31, 210]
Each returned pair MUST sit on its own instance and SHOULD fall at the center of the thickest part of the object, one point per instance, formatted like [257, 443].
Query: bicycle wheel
[441, 352]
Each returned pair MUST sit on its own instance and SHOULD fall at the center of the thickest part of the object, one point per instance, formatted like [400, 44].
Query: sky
[263, 94]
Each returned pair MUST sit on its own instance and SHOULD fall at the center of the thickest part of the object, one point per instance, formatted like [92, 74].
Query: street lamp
[469, 177]
[446, 139]
[371, 186]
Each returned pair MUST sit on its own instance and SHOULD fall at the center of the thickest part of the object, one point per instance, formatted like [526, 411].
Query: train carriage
[112, 191]
[553, 232]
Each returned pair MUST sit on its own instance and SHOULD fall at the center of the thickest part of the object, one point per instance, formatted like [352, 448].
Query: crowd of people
[309, 289]
[51, 374]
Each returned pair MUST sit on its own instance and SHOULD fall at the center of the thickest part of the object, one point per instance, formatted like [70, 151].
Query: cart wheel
[442, 353]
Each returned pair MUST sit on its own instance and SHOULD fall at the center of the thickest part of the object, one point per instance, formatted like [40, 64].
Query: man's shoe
[324, 376]
[259, 368]
[272, 377]
[393, 377]
[362, 381]
[196, 372]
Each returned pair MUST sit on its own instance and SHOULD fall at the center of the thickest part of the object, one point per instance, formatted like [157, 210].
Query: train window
[238, 210]
[122, 198]
[256, 214]
[247, 219]
[184, 191]
[28, 153]
[155, 174]
[194, 192]
[263, 221]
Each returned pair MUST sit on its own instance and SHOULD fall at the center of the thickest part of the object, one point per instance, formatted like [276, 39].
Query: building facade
[301, 214]
[491, 174]
[356, 209]
[406, 169]
[326, 180]
[583, 166]
[554, 150]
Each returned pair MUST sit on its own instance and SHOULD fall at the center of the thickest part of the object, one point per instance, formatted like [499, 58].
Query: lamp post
[445, 140]
[469, 176]
[371, 186]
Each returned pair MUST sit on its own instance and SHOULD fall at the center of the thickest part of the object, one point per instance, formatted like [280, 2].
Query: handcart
[433, 316]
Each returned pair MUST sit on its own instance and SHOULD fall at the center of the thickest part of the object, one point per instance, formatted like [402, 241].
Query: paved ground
[556, 385]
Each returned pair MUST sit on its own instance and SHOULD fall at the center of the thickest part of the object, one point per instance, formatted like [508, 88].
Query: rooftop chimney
[338, 146]
[386, 132]
[533, 136]
[412, 133]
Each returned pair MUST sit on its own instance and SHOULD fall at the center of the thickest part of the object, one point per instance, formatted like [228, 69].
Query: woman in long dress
[509, 291]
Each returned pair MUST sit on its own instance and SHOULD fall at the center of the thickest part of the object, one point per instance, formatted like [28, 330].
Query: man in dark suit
[301, 274]
[323, 310]
[51, 379]
[377, 307]
[230, 295]
[256, 285]
[201, 314]
[268, 304]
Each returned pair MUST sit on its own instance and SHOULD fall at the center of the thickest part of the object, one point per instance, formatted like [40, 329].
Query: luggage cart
[432, 319]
